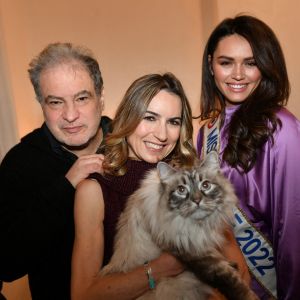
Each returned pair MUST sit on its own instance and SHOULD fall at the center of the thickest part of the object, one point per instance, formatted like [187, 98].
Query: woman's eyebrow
[152, 113]
[158, 115]
[231, 58]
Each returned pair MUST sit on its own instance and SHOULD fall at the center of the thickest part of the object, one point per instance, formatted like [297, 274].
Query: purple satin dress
[269, 194]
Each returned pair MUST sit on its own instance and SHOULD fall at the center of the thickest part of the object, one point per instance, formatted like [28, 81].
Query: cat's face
[193, 193]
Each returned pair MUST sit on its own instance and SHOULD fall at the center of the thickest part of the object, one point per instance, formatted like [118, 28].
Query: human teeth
[154, 146]
[237, 86]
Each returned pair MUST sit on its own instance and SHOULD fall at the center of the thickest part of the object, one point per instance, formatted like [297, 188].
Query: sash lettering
[256, 249]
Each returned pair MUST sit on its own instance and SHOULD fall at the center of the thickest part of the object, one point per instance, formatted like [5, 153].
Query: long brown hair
[131, 111]
[255, 121]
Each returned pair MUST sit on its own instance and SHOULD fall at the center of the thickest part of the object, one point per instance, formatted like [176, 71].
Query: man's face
[71, 108]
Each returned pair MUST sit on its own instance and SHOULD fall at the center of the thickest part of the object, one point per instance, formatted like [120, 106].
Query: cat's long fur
[151, 224]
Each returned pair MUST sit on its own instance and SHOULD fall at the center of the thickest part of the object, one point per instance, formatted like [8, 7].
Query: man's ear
[209, 58]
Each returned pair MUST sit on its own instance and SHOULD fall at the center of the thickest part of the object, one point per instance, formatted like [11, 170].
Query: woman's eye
[225, 63]
[251, 64]
[175, 122]
[149, 118]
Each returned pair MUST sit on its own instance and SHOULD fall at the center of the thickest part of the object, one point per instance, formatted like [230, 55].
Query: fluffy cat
[183, 212]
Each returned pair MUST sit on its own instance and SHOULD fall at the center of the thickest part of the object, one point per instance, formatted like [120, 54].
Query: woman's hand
[166, 265]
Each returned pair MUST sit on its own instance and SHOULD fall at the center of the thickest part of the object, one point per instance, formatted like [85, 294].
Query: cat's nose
[197, 200]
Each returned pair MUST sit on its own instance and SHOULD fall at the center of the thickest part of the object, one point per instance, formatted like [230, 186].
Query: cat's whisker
[184, 213]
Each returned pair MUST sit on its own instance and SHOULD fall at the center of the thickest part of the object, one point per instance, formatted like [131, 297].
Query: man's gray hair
[58, 53]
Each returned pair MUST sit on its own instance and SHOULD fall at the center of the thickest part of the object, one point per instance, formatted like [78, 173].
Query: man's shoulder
[37, 137]
[105, 119]
[106, 125]
[33, 136]
[28, 146]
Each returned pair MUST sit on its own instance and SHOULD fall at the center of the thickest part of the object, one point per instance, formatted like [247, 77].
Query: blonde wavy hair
[131, 111]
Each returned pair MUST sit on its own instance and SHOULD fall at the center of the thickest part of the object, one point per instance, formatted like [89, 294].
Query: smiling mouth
[154, 146]
[237, 86]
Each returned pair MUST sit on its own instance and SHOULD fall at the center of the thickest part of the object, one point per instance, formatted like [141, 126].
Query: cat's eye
[205, 185]
[181, 189]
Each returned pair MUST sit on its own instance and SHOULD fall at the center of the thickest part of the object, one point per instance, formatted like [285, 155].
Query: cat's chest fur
[183, 212]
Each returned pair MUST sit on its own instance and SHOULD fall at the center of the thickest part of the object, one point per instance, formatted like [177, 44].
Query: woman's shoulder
[289, 123]
[287, 135]
[88, 187]
[285, 114]
[88, 204]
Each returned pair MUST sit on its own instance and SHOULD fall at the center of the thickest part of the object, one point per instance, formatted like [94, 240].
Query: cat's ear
[164, 170]
[211, 161]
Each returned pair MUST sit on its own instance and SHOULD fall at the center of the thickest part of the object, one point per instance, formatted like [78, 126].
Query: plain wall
[130, 38]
